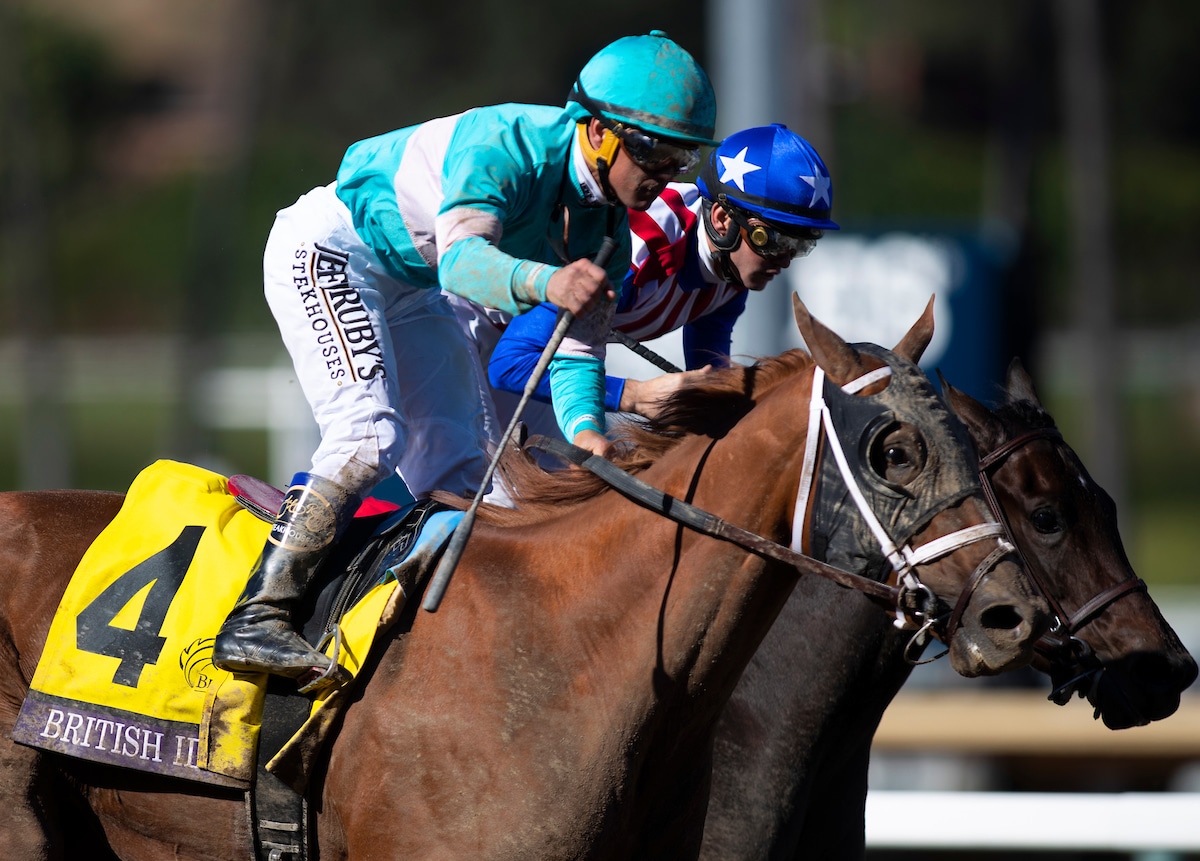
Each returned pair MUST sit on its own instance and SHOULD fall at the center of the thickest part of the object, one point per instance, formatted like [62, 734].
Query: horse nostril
[1003, 616]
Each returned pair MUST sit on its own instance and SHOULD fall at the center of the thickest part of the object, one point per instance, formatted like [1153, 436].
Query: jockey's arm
[472, 267]
[645, 397]
[519, 348]
[707, 339]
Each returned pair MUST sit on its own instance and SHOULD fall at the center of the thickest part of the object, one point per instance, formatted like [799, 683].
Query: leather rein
[914, 604]
[686, 514]
[1061, 644]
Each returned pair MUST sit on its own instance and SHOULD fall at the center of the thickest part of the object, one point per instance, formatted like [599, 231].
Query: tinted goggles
[769, 241]
[653, 155]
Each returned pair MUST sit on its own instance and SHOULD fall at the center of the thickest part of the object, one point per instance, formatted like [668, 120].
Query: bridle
[1061, 645]
[915, 605]
[903, 559]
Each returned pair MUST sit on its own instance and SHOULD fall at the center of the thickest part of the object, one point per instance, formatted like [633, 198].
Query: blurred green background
[144, 148]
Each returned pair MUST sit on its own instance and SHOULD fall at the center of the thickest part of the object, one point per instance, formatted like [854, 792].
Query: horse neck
[830, 664]
[702, 604]
[801, 720]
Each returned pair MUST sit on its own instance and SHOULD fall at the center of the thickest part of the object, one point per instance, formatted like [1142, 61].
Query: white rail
[1117, 822]
[978, 724]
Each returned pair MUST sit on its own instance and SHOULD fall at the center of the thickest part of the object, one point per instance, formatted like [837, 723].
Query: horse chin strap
[916, 605]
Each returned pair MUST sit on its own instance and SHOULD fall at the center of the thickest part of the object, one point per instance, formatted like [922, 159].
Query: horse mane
[709, 406]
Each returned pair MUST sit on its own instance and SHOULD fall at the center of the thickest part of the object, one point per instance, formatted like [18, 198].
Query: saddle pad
[126, 677]
[127, 667]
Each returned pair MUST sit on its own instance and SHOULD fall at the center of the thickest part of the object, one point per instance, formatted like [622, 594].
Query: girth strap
[279, 814]
[709, 524]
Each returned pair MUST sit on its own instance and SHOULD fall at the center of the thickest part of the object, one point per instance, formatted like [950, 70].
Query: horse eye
[1045, 520]
[898, 455]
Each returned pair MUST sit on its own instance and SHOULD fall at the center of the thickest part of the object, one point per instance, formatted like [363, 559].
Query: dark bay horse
[792, 749]
[561, 703]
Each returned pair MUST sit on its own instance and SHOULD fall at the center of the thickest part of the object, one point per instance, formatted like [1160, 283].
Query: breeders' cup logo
[196, 662]
[337, 315]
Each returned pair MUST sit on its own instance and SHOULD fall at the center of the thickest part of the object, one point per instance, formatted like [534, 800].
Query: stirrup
[317, 679]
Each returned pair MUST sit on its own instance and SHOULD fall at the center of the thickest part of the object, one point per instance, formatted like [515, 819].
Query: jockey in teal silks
[502, 205]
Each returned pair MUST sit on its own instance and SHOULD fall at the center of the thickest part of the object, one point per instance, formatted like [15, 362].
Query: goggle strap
[607, 149]
[791, 209]
[598, 107]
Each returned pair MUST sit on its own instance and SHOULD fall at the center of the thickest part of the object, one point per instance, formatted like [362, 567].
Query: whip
[643, 351]
[458, 541]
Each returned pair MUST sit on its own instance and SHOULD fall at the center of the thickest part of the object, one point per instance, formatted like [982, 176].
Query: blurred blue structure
[873, 286]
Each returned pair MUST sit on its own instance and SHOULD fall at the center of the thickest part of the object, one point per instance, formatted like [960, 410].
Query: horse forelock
[709, 406]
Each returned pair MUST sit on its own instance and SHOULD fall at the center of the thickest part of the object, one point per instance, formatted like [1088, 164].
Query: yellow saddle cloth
[126, 677]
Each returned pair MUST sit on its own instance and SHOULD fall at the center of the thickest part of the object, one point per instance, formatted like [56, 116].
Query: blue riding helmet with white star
[772, 172]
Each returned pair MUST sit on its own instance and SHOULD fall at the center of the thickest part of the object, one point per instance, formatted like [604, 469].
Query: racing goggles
[769, 241]
[651, 154]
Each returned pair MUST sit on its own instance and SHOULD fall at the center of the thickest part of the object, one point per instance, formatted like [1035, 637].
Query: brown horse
[790, 768]
[561, 703]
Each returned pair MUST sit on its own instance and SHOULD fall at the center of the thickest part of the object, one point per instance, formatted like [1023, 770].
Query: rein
[699, 520]
[914, 603]
[1062, 644]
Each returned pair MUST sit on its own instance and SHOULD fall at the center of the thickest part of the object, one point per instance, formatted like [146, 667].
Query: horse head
[1111, 644]
[913, 466]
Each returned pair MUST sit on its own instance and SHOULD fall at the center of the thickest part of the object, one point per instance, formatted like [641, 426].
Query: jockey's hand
[593, 441]
[645, 397]
[578, 286]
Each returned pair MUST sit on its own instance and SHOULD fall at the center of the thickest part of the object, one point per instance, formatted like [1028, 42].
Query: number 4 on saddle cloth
[127, 678]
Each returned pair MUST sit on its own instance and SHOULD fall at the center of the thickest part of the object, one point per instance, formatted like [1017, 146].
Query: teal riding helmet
[651, 83]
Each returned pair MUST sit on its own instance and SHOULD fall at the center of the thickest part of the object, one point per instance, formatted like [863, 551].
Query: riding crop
[645, 352]
[458, 541]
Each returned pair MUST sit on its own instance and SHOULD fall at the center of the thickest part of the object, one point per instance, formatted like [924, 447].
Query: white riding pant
[391, 378]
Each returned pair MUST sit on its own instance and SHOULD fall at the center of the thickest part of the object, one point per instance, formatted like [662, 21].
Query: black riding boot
[258, 636]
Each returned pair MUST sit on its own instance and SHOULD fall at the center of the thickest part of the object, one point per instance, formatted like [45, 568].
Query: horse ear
[838, 359]
[1019, 385]
[986, 430]
[913, 344]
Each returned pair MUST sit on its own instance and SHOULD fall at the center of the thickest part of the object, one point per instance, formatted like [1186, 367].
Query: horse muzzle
[997, 626]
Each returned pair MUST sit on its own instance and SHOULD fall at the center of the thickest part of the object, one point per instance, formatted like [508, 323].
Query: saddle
[379, 537]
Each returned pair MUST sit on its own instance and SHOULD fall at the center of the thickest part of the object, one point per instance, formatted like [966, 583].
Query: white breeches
[391, 378]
